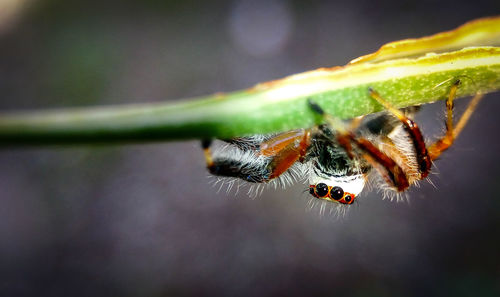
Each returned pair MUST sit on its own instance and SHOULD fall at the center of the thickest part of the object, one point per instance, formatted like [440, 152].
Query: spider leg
[235, 165]
[207, 152]
[285, 149]
[273, 157]
[423, 158]
[244, 143]
[385, 165]
[452, 133]
[338, 125]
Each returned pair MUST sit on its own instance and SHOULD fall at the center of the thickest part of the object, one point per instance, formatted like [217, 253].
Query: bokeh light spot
[260, 28]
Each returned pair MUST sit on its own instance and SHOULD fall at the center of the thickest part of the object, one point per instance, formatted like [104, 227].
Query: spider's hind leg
[425, 155]
[452, 132]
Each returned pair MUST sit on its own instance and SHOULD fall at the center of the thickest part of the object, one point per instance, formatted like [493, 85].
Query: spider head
[340, 189]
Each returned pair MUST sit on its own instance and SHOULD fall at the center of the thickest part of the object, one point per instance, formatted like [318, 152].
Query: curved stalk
[277, 105]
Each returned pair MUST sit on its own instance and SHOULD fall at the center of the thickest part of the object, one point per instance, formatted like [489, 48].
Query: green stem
[268, 107]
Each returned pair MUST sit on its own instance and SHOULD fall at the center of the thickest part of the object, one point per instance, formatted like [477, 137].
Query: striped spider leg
[260, 158]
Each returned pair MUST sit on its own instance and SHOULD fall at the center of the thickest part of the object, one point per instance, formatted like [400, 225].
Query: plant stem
[268, 107]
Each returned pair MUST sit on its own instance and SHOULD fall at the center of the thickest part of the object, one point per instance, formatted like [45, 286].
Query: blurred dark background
[142, 220]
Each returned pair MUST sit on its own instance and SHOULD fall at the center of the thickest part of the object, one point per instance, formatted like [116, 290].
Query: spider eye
[336, 193]
[347, 198]
[321, 189]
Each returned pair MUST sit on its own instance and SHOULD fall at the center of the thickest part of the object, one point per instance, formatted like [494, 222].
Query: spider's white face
[341, 189]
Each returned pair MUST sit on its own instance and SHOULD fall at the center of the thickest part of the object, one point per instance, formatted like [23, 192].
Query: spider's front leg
[234, 164]
[261, 162]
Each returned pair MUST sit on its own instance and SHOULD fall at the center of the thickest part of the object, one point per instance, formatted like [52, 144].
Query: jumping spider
[337, 157]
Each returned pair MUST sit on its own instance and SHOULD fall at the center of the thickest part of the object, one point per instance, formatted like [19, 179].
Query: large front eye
[336, 193]
[321, 190]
